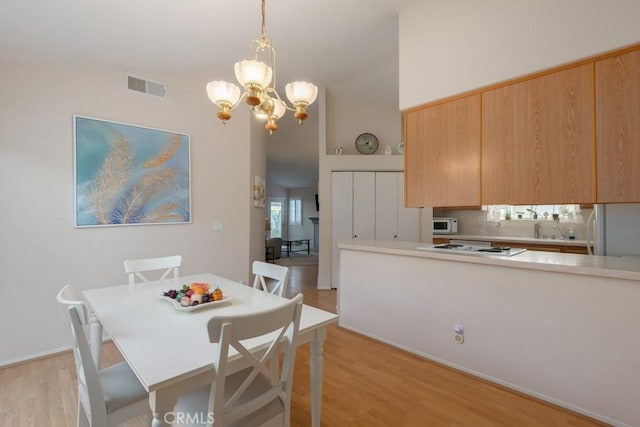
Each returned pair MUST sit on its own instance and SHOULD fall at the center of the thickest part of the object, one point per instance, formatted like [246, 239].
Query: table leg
[315, 365]
[95, 335]
[162, 403]
[308, 246]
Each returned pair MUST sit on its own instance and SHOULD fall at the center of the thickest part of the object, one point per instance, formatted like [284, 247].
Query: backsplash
[475, 223]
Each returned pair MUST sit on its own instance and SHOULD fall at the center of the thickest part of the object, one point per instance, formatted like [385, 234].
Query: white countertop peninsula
[600, 266]
[561, 327]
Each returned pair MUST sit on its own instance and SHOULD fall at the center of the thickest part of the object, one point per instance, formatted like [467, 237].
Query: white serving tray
[202, 306]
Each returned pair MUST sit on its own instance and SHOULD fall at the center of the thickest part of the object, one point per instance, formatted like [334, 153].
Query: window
[566, 213]
[295, 211]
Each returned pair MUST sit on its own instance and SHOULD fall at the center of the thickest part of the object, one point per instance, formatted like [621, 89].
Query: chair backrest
[90, 393]
[281, 324]
[278, 274]
[135, 267]
[68, 296]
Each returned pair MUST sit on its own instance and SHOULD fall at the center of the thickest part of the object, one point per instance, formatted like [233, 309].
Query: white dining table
[169, 349]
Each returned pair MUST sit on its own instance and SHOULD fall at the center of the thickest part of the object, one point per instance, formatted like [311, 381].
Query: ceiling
[350, 47]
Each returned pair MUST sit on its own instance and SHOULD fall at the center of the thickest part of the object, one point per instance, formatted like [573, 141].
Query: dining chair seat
[120, 387]
[198, 401]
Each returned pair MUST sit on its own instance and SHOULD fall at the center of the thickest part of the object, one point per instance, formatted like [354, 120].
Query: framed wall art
[130, 175]
[258, 192]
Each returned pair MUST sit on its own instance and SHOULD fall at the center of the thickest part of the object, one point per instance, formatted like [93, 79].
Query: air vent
[148, 87]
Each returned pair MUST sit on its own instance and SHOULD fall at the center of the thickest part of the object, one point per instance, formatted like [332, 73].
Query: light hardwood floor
[366, 383]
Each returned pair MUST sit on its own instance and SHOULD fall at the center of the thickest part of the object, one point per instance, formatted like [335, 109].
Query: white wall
[258, 214]
[567, 338]
[341, 121]
[450, 47]
[347, 119]
[41, 251]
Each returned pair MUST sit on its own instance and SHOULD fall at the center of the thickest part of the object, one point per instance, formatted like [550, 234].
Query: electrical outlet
[458, 333]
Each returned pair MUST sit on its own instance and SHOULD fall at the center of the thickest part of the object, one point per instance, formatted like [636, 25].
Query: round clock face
[366, 143]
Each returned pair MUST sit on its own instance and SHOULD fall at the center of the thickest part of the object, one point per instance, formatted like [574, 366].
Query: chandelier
[258, 78]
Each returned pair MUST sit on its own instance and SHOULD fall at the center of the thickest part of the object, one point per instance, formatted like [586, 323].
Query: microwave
[445, 225]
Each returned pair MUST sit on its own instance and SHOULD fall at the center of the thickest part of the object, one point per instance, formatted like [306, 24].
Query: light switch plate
[218, 225]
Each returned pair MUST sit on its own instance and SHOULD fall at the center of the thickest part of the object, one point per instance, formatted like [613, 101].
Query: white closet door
[408, 218]
[364, 208]
[342, 217]
[386, 205]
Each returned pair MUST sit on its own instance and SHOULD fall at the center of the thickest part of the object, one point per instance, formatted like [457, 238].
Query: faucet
[536, 230]
[557, 227]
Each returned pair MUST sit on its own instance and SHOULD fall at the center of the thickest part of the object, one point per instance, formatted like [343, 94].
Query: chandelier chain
[264, 31]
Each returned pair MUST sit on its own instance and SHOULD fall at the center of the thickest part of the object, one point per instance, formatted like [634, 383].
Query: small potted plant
[507, 215]
[519, 214]
[545, 215]
[534, 214]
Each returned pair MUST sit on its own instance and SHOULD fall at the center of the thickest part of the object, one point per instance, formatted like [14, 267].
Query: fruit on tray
[199, 288]
[194, 294]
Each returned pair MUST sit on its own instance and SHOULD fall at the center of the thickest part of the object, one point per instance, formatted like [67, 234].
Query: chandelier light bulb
[253, 76]
[301, 93]
[224, 95]
[278, 109]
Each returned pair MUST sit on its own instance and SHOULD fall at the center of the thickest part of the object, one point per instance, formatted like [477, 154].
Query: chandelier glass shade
[258, 78]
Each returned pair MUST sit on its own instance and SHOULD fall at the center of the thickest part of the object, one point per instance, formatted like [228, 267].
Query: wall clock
[366, 143]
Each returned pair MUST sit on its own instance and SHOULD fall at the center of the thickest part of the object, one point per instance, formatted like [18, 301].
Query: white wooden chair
[105, 398]
[277, 274]
[254, 396]
[69, 297]
[135, 267]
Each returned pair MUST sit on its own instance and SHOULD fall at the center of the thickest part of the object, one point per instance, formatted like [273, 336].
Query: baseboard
[42, 355]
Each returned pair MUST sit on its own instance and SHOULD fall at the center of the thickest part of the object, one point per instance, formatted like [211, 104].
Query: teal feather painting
[127, 175]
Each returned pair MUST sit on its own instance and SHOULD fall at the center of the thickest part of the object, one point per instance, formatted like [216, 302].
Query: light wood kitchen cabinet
[537, 140]
[442, 149]
[618, 128]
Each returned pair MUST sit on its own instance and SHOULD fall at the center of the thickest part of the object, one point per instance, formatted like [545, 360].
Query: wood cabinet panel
[442, 150]
[537, 140]
[618, 128]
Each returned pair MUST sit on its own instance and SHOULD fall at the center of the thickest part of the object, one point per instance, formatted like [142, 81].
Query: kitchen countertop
[590, 265]
[518, 239]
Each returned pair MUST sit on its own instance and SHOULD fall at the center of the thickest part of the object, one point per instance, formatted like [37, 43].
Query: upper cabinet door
[442, 154]
[618, 128]
[537, 140]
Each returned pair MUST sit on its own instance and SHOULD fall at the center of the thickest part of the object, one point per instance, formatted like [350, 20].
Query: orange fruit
[200, 288]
